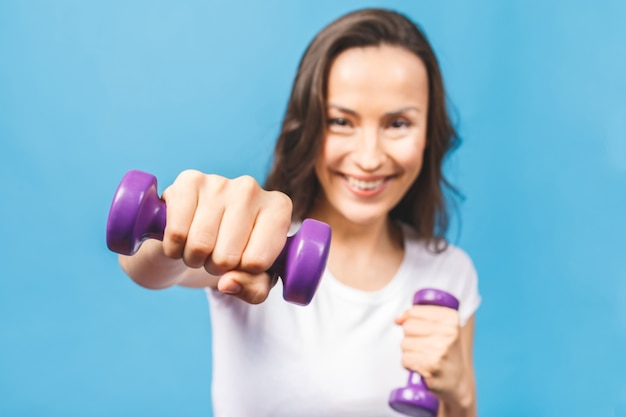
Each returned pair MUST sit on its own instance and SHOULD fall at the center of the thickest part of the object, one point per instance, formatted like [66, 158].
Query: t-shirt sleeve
[466, 286]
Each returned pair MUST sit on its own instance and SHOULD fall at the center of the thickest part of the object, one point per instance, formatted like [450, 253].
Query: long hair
[424, 206]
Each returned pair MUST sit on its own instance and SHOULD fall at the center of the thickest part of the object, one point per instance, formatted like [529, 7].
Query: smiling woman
[361, 148]
[373, 148]
[358, 36]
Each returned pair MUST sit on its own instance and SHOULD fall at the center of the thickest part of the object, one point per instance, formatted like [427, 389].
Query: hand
[233, 229]
[432, 348]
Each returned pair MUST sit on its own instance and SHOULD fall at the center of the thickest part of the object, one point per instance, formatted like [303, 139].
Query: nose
[368, 153]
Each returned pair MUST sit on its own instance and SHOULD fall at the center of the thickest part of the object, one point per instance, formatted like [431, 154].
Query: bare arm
[437, 348]
[219, 233]
[150, 268]
[465, 404]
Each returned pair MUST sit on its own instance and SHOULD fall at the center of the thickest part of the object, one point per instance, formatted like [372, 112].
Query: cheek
[322, 165]
[328, 158]
[410, 157]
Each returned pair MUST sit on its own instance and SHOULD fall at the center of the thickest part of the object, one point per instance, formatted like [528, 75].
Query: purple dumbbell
[137, 214]
[415, 399]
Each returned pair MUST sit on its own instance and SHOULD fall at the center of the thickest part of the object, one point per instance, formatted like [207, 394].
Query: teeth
[365, 185]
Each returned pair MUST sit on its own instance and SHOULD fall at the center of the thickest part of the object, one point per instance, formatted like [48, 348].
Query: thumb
[251, 288]
[399, 320]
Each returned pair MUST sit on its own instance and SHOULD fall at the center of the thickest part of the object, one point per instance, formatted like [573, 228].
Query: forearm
[150, 268]
[462, 403]
[463, 406]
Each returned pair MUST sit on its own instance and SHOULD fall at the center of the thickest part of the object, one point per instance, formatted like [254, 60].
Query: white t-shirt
[338, 356]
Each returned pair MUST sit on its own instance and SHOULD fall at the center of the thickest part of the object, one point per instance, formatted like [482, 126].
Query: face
[376, 133]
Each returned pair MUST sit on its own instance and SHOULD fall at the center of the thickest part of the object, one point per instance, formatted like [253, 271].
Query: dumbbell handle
[414, 399]
[137, 214]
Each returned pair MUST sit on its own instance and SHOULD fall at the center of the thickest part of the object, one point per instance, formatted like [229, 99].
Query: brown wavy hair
[425, 205]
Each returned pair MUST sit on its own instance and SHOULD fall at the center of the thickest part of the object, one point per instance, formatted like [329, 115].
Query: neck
[363, 256]
[380, 236]
[367, 238]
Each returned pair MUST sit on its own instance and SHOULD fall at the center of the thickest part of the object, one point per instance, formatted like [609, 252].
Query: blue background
[89, 90]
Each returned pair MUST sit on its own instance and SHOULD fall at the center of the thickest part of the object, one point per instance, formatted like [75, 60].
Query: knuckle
[172, 251]
[256, 288]
[248, 181]
[225, 261]
[201, 182]
[176, 236]
[256, 262]
[429, 369]
[213, 181]
[246, 185]
[189, 175]
[283, 202]
[211, 269]
[257, 296]
[199, 249]
[282, 207]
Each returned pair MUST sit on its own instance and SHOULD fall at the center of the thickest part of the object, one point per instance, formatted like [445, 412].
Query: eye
[339, 125]
[399, 123]
[338, 121]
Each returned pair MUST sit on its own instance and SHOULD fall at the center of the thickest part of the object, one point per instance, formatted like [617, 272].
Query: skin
[373, 151]
[219, 233]
[225, 233]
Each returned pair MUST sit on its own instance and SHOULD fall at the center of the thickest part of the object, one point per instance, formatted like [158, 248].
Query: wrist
[460, 403]
[150, 268]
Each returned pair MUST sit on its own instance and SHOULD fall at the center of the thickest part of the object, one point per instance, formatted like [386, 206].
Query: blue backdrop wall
[89, 90]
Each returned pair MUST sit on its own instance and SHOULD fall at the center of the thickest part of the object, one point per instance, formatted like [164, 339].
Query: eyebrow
[392, 113]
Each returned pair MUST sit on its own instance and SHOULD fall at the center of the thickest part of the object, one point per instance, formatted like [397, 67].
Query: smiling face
[376, 134]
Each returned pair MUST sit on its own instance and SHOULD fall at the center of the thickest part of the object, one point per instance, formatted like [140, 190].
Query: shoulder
[451, 258]
[450, 270]
[456, 259]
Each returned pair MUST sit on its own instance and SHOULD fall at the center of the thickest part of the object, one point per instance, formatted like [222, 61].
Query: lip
[366, 186]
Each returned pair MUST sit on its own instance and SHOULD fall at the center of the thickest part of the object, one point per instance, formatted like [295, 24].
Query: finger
[425, 312]
[433, 346]
[251, 288]
[181, 206]
[399, 320]
[432, 313]
[203, 231]
[269, 234]
[205, 224]
[418, 327]
[418, 362]
[234, 232]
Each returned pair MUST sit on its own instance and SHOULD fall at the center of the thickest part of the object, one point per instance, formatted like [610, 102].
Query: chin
[362, 217]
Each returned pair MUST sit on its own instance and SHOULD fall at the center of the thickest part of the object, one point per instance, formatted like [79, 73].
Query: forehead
[384, 73]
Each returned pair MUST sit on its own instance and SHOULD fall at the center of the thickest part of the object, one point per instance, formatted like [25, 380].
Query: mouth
[367, 186]
[364, 184]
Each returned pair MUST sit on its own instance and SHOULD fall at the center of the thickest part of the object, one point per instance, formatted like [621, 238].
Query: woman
[361, 148]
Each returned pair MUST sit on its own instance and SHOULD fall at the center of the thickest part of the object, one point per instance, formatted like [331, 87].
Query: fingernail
[232, 288]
